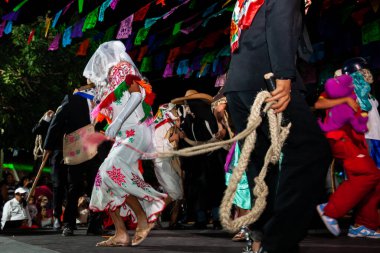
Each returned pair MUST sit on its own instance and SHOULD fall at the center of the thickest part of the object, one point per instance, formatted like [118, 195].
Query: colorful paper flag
[56, 18]
[371, 32]
[67, 7]
[142, 53]
[177, 28]
[66, 40]
[168, 70]
[82, 50]
[8, 27]
[140, 14]
[141, 35]
[55, 43]
[80, 5]
[103, 8]
[113, 4]
[146, 64]
[150, 21]
[125, 28]
[109, 35]
[162, 2]
[173, 54]
[77, 29]
[91, 20]
[47, 25]
[2, 27]
[20, 5]
[31, 35]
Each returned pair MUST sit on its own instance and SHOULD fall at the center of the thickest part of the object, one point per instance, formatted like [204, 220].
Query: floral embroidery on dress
[139, 182]
[98, 180]
[116, 175]
[130, 133]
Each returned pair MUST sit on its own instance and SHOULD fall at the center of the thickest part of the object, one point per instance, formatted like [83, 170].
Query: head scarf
[108, 54]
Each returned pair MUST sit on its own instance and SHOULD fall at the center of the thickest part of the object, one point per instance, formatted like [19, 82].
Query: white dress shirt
[14, 210]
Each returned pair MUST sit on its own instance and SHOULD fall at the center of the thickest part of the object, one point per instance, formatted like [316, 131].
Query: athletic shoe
[331, 223]
[362, 231]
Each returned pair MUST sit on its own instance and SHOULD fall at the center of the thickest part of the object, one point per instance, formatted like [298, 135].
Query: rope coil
[278, 135]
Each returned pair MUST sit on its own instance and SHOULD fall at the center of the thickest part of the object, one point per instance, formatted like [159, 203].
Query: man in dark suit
[269, 43]
[73, 114]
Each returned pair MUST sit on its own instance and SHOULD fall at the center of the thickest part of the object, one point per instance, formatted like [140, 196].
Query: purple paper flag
[12, 16]
[168, 70]
[77, 29]
[55, 43]
[191, 28]
[125, 28]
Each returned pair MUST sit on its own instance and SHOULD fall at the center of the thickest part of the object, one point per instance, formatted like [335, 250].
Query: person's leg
[296, 187]
[59, 178]
[143, 227]
[121, 237]
[362, 178]
[75, 179]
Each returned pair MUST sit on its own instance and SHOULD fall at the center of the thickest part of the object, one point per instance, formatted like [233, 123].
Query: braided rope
[38, 151]
[278, 136]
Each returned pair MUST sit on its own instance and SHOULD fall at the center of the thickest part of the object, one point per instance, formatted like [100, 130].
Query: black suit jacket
[269, 45]
[72, 114]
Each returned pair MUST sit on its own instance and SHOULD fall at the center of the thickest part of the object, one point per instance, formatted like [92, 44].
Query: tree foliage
[33, 80]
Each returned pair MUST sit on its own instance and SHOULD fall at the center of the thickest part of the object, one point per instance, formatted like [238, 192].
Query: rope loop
[278, 135]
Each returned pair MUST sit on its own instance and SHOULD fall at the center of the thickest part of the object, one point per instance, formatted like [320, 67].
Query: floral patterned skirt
[119, 175]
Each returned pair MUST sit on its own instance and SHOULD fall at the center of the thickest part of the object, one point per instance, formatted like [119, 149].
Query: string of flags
[141, 44]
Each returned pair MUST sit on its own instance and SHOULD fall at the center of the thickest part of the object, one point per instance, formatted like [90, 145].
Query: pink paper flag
[55, 43]
[2, 26]
[67, 7]
[113, 4]
[125, 28]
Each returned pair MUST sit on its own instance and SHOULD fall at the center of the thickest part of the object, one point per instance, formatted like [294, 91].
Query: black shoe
[68, 231]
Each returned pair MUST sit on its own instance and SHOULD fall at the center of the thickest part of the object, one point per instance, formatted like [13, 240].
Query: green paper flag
[177, 28]
[146, 65]
[141, 35]
[208, 58]
[371, 32]
[109, 35]
[80, 5]
[20, 5]
[91, 20]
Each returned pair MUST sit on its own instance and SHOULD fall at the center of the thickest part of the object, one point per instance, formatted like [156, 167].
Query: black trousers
[81, 179]
[59, 179]
[294, 187]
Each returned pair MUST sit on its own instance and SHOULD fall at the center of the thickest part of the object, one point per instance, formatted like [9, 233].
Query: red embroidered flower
[116, 175]
[98, 180]
[130, 133]
[139, 182]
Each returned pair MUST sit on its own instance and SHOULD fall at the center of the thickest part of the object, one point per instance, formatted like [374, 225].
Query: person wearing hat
[204, 174]
[265, 36]
[15, 211]
[168, 170]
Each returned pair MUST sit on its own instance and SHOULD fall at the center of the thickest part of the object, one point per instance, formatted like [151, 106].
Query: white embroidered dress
[119, 175]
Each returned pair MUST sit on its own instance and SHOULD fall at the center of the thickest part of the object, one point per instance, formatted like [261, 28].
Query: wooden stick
[44, 160]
